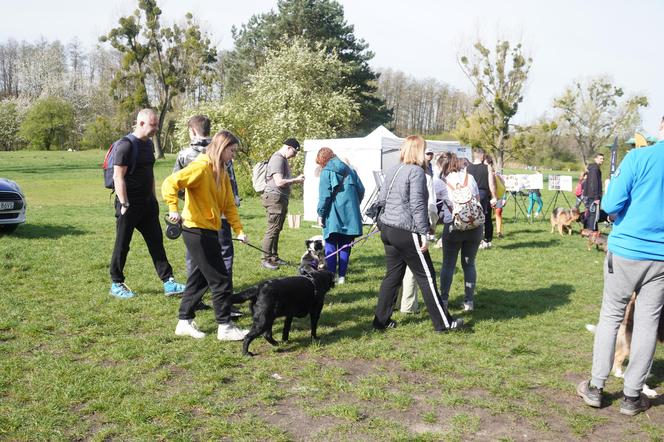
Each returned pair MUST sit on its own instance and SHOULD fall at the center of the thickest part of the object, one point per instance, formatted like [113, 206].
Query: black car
[12, 205]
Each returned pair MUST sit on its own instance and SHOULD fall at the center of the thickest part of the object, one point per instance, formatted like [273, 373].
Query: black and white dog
[314, 257]
[295, 296]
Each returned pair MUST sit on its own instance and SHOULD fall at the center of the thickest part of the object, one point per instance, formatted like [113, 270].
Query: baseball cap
[428, 150]
[292, 142]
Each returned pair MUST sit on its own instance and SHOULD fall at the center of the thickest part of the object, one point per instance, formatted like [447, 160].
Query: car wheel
[8, 228]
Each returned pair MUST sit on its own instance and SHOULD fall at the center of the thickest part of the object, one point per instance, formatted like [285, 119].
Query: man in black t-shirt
[486, 184]
[136, 206]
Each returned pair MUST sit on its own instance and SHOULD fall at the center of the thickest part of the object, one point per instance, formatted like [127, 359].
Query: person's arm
[492, 185]
[120, 184]
[280, 181]
[324, 196]
[418, 199]
[187, 177]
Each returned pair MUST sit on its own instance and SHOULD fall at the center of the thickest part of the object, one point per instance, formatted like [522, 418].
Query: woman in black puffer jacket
[404, 227]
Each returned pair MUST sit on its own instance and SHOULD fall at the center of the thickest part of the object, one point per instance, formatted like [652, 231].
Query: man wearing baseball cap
[275, 200]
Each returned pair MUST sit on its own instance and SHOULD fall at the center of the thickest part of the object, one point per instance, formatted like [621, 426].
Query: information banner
[516, 183]
[560, 182]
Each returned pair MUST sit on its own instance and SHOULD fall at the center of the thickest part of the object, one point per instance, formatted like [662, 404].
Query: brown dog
[598, 240]
[562, 219]
[624, 341]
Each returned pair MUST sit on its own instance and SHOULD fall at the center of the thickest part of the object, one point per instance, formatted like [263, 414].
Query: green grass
[78, 364]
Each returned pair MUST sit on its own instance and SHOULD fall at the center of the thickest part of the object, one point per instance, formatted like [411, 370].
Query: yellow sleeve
[183, 178]
[230, 211]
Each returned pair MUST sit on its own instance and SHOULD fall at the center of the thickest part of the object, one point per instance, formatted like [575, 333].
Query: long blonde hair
[412, 151]
[220, 142]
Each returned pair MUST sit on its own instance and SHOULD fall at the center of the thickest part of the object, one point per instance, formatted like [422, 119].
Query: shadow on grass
[529, 244]
[504, 304]
[45, 231]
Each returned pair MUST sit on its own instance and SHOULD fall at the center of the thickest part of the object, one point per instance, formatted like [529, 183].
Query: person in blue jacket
[634, 263]
[340, 192]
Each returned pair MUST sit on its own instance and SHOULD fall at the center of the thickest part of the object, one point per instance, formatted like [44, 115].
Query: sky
[567, 40]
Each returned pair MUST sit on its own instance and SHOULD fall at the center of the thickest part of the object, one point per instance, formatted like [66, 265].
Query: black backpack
[109, 160]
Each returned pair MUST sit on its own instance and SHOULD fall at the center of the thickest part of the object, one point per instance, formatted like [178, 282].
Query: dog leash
[260, 250]
[360, 239]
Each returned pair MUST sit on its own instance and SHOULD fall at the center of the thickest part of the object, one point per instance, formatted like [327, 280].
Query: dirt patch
[555, 419]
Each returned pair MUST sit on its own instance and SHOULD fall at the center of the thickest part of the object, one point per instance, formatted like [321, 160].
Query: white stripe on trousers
[432, 286]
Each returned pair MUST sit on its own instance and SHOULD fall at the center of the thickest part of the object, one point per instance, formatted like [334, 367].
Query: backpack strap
[134, 151]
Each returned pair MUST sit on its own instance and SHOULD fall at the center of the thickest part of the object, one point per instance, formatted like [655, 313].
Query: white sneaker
[230, 332]
[483, 245]
[187, 327]
[489, 245]
[341, 280]
[468, 306]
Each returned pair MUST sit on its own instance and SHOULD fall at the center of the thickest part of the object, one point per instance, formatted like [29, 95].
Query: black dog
[296, 296]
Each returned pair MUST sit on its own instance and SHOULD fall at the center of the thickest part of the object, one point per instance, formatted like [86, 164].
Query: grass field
[78, 364]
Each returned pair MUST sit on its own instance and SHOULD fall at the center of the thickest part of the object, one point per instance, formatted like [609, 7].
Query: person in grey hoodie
[404, 225]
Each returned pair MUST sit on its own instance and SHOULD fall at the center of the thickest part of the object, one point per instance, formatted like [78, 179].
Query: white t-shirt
[453, 179]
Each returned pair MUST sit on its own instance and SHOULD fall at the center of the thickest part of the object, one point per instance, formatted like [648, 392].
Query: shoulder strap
[134, 151]
[389, 189]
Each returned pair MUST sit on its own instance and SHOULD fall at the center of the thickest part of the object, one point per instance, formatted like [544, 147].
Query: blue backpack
[109, 160]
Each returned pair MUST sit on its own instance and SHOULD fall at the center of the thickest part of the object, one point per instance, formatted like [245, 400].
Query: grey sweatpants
[622, 277]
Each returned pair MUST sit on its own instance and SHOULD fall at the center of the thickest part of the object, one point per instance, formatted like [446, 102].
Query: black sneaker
[591, 395]
[390, 324]
[235, 312]
[631, 406]
[457, 324]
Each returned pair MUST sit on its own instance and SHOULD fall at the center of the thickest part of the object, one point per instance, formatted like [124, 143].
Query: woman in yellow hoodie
[208, 195]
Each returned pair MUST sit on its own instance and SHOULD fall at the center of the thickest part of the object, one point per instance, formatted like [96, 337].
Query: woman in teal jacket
[340, 192]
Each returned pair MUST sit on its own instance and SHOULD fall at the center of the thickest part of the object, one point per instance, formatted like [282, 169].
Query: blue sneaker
[172, 288]
[120, 290]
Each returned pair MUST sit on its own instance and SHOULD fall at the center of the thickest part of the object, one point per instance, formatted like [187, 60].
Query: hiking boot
[468, 306]
[631, 406]
[267, 264]
[172, 288]
[230, 332]
[120, 290]
[591, 395]
[187, 327]
[278, 261]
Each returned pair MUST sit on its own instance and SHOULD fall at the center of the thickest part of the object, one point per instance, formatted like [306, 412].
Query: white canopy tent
[376, 152]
